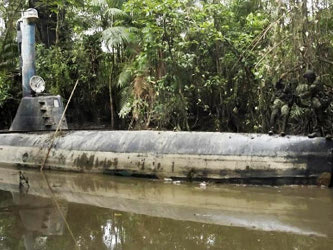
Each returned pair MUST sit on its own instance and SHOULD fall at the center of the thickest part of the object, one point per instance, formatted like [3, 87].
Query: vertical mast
[27, 27]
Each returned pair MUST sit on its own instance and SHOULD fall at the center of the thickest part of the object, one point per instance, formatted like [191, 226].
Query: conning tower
[36, 111]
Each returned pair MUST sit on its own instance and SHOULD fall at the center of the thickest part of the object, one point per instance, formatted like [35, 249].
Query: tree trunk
[111, 99]
[57, 27]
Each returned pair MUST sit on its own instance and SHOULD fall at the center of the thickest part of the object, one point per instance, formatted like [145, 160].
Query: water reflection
[35, 218]
[119, 213]
[111, 233]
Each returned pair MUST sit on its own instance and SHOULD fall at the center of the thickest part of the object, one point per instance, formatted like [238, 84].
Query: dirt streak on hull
[192, 155]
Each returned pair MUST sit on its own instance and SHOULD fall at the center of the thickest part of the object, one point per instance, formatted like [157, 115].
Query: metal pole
[28, 49]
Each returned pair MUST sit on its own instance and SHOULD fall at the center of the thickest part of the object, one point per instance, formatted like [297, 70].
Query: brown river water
[108, 212]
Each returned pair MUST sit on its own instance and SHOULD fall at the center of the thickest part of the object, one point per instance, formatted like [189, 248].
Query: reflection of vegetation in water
[100, 228]
[11, 229]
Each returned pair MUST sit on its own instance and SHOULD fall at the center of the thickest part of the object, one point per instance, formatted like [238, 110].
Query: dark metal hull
[225, 157]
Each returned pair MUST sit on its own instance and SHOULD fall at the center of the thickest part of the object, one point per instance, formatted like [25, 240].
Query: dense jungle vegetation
[172, 64]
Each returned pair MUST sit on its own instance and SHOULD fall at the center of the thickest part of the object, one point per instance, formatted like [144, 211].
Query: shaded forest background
[171, 64]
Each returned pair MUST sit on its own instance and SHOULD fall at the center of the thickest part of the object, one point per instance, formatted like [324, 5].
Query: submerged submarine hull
[222, 157]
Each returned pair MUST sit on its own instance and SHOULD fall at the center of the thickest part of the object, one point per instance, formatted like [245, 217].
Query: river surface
[106, 212]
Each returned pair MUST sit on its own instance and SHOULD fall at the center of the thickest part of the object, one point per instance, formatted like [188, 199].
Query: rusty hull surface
[193, 155]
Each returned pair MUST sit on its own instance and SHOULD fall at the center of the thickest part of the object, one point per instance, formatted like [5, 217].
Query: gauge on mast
[31, 14]
[37, 84]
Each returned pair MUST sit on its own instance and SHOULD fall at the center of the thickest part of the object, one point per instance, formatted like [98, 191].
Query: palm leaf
[116, 36]
[125, 76]
[103, 3]
[116, 13]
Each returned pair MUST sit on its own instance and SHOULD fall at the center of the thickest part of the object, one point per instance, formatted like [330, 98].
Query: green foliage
[9, 87]
[4, 93]
[116, 36]
[180, 64]
[187, 49]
